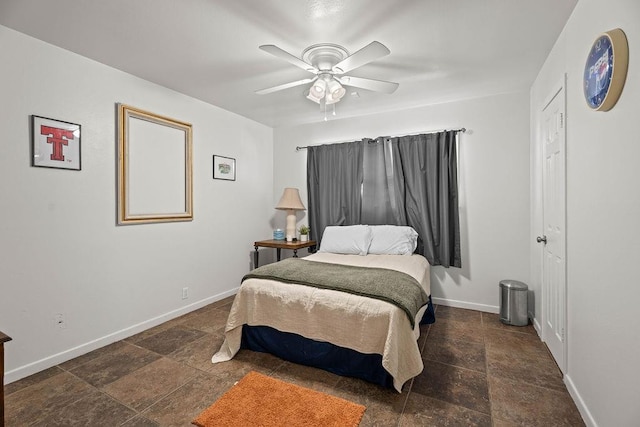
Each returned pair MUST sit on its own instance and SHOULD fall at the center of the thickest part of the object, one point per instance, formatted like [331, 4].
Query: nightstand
[282, 244]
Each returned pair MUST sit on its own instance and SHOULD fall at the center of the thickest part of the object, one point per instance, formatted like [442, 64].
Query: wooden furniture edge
[3, 339]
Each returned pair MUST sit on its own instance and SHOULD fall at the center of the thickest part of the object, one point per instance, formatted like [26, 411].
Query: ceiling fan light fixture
[335, 89]
[313, 97]
[330, 99]
[319, 88]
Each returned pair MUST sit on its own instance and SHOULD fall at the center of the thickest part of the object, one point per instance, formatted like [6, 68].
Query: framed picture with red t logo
[55, 144]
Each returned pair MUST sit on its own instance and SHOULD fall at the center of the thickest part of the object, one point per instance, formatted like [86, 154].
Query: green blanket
[392, 286]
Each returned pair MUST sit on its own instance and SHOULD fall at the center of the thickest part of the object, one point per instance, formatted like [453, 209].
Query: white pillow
[392, 240]
[346, 239]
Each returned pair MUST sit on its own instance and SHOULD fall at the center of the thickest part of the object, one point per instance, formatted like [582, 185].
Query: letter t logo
[58, 138]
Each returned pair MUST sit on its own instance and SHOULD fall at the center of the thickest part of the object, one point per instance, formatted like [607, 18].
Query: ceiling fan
[329, 63]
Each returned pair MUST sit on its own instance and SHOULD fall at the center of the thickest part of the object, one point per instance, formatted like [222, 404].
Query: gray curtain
[428, 168]
[334, 183]
[409, 180]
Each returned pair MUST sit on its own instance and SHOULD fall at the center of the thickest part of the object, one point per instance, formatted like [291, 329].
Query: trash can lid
[513, 284]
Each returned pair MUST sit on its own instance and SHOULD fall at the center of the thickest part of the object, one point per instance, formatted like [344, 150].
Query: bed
[343, 331]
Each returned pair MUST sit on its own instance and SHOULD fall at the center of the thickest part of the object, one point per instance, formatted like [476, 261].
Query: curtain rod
[463, 130]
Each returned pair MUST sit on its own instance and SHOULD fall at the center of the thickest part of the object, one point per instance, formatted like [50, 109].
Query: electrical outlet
[185, 293]
[59, 321]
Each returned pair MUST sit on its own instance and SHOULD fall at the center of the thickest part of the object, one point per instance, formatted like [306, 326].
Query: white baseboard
[573, 392]
[464, 304]
[537, 327]
[56, 359]
[582, 407]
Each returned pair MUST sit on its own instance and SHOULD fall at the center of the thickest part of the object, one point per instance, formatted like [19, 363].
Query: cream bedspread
[363, 324]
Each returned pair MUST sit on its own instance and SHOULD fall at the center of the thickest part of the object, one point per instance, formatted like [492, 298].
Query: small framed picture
[224, 168]
[55, 144]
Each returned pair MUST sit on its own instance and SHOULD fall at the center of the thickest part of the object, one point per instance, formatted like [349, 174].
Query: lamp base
[291, 226]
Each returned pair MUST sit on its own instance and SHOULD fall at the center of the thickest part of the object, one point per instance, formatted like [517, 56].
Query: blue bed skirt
[323, 355]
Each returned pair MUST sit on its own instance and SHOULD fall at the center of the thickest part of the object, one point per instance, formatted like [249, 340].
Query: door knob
[542, 239]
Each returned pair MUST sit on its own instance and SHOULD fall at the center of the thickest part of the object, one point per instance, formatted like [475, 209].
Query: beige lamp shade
[290, 202]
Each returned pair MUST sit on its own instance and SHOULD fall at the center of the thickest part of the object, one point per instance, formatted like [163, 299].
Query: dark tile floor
[477, 372]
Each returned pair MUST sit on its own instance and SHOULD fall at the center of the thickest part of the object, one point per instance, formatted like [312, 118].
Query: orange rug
[258, 400]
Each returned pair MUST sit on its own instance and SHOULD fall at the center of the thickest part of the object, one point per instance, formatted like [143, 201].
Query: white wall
[493, 183]
[60, 250]
[603, 227]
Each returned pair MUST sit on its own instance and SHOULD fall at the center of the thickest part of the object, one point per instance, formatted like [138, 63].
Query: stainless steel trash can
[513, 303]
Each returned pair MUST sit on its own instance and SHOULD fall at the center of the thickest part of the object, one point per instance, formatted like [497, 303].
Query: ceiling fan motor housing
[324, 56]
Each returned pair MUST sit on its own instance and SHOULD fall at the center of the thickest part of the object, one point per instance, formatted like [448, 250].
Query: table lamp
[290, 202]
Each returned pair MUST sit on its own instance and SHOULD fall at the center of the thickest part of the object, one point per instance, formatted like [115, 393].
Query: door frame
[560, 86]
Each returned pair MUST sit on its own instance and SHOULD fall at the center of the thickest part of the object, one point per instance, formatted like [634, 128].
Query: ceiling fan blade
[370, 52]
[285, 86]
[369, 84]
[277, 52]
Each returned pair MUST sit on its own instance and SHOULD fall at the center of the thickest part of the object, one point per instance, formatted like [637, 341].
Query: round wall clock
[606, 70]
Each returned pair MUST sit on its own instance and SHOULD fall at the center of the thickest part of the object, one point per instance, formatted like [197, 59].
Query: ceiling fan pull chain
[323, 107]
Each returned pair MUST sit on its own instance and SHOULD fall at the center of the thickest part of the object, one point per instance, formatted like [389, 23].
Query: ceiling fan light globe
[313, 97]
[335, 89]
[338, 93]
[318, 92]
[331, 100]
[319, 88]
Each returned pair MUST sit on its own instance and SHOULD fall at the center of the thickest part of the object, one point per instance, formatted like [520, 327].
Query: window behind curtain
[382, 191]
[410, 180]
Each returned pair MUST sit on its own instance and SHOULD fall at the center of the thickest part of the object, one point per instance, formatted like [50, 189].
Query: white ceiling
[441, 50]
